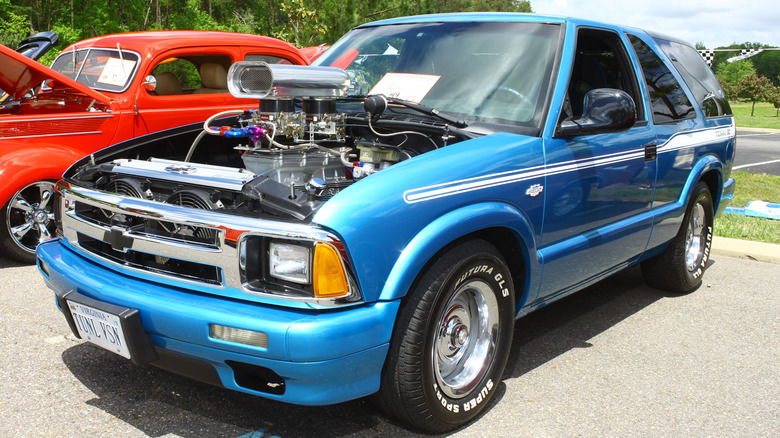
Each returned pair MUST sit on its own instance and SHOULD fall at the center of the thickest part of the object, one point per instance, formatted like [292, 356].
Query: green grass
[765, 115]
[751, 187]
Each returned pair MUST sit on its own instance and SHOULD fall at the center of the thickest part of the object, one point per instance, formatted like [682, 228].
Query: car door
[683, 138]
[182, 95]
[599, 187]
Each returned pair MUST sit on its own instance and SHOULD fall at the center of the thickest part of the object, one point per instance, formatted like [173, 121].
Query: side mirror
[150, 83]
[605, 110]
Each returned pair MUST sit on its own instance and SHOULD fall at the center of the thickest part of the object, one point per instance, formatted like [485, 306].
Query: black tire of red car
[27, 219]
[451, 340]
[681, 266]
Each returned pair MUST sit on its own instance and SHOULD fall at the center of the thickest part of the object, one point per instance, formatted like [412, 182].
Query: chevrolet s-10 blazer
[377, 221]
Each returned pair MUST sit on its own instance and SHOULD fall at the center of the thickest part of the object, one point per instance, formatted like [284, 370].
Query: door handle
[651, 151]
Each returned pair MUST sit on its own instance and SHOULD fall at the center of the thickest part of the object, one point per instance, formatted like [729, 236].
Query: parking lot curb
[764, 130]
[746, 249]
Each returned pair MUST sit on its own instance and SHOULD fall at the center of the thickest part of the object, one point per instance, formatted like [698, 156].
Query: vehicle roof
[153, 41]
[510, 16]
[468, 17]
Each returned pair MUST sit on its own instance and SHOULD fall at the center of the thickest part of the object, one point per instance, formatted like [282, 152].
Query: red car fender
[23, 167]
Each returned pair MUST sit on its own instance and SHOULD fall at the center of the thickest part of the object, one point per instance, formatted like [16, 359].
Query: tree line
[304, 23]
[300, 22]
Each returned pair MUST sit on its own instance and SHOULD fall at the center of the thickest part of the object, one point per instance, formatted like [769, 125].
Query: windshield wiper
[377, 104]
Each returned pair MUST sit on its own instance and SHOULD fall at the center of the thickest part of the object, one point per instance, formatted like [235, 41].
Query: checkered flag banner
[708, 56]
[745, 54]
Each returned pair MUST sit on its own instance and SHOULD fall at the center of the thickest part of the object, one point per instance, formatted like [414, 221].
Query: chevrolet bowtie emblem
[183, 169]
[534, 190]
[117, 239]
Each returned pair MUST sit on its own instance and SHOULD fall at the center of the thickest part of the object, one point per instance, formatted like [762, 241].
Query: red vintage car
[102, 91]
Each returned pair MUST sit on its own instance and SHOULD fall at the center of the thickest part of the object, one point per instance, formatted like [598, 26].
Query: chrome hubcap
[694, 238]
[30, 217]
[466, 336]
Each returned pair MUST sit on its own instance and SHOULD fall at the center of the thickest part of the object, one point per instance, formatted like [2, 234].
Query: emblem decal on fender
[534, 190]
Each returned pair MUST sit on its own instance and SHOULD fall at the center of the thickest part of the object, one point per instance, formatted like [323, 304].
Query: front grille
[200, 247]
[145, 240]
[149, 227]
[152, 263]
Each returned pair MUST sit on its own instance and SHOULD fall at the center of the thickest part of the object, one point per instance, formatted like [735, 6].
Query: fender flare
[705, 165]
[454, 225]
[26, 167]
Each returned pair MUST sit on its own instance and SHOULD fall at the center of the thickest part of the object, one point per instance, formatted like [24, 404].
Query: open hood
[19, 74]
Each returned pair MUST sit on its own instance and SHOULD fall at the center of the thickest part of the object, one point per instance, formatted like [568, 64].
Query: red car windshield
[100, 69]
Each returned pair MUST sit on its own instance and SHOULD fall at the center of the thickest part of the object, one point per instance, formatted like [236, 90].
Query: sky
[714, 23]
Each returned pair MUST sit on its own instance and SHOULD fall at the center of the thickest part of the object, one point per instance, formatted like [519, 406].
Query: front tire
[451, 340]
[27, 219]
[680, 268]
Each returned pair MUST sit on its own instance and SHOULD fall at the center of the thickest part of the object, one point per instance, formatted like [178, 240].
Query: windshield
[99, 69]
[488, 71]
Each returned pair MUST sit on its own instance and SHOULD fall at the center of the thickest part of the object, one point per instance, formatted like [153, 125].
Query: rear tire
[680, 268]
[451, 340]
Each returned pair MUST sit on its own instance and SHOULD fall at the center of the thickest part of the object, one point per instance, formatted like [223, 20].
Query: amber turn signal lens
[329, 280]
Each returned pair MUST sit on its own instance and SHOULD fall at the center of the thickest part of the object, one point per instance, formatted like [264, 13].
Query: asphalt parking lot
[617, 359]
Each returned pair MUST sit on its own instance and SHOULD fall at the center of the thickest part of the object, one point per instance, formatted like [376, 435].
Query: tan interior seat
[167, 83]
[213, 78]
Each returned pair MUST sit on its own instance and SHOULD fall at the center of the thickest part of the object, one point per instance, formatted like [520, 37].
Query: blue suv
[376, 222]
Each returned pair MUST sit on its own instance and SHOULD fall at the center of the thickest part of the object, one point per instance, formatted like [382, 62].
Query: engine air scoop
[259, 80]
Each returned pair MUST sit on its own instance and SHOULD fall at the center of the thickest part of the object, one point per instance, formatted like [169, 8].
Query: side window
[667, 98]
[698, 76]
[269, 59]
[192, 74]
[600, 61]
[174, 76]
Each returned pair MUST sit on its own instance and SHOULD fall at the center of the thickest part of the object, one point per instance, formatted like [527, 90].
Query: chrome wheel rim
[465, 341]
[694, 238]
[30, 215]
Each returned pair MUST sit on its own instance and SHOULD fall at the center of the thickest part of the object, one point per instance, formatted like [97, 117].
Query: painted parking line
[755, 164]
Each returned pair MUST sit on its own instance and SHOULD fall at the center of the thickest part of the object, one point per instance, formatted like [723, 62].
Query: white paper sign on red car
[116, 71]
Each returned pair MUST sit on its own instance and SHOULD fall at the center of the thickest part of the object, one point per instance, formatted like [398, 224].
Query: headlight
[297, 269]
[289, 262]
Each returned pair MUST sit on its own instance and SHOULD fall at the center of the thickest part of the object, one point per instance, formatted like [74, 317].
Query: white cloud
[712, 22]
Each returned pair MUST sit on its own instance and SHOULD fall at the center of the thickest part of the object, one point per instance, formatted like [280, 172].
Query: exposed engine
[283, 159]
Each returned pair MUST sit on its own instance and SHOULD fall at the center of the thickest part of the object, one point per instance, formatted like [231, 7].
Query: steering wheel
[503, 89]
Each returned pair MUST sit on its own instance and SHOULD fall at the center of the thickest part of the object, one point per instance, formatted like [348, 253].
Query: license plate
[100, 328]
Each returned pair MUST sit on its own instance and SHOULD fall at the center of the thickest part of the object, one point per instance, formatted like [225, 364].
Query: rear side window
[667, 98]
[268, 59]
[698, 76]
